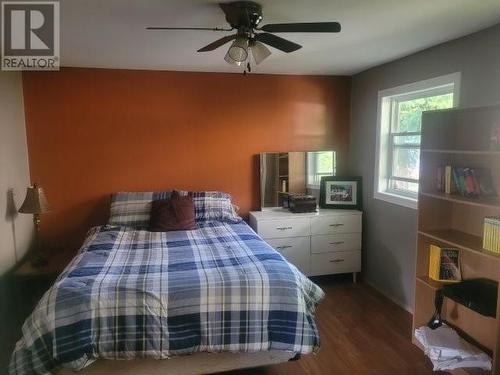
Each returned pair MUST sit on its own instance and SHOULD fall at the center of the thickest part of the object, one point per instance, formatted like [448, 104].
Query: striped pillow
[133, 209]
[213, 205]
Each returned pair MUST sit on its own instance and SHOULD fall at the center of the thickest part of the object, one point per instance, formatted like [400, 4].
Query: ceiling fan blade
[188, 28]
[278, 42]
[217, 43]
[305, 27]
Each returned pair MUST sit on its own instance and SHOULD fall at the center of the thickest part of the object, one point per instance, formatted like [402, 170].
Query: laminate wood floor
[362, 332]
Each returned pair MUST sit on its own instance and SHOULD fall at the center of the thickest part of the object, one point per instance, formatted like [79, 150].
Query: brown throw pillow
[176, 213]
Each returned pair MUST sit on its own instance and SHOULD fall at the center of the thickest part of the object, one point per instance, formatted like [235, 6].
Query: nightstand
[30, 283]
[20, 291]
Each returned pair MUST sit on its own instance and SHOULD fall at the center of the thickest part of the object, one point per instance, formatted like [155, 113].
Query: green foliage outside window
[410, 111]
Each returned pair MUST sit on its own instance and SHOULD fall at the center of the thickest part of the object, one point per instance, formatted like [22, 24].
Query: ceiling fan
[244, 17]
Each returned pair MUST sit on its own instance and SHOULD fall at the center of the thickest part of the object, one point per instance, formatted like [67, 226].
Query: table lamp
[36, 203]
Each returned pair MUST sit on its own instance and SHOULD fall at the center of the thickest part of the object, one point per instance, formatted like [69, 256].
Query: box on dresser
[301, 203]
[317, 243]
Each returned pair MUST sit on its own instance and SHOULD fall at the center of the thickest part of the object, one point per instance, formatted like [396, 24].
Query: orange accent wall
[91, 132]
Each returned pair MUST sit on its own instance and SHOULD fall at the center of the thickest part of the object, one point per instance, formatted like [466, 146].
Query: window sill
[396, 199]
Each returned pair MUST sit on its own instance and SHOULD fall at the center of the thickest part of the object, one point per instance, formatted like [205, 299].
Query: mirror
[293, 172]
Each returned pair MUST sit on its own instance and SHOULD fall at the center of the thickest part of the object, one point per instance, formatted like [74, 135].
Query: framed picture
[340, 192]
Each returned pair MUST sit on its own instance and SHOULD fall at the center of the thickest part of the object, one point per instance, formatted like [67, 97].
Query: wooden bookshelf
[427, 281]
[462, 240]
[464, 152]
[488, 202]
[458, 137]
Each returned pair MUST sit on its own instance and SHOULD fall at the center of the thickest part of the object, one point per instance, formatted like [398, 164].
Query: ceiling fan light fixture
[229, 60]
[238, 52]
[250, 37]
[259, 51]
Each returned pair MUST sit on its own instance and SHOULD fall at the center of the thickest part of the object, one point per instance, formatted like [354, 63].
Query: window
[319, 164]
[398, 134]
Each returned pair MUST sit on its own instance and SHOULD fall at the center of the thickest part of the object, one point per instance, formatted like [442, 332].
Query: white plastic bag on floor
[448, 351]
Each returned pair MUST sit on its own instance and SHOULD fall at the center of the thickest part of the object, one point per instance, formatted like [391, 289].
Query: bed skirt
[199, 363]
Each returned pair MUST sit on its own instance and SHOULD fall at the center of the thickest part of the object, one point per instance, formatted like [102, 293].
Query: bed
[133, 294]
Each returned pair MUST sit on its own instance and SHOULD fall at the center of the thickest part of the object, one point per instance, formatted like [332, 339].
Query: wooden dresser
[319, 243]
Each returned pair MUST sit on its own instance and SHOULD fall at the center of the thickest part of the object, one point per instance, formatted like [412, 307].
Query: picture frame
[340, 192]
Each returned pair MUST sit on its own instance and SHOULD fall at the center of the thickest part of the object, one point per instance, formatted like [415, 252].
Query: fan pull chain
[247, 69]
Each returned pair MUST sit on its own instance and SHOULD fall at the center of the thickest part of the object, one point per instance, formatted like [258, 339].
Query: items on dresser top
[340, 192]
[300, 203]
[318, 243]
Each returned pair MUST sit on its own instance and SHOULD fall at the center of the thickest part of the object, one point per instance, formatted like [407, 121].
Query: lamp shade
[35, 201]
[238, 52]
[259, 51]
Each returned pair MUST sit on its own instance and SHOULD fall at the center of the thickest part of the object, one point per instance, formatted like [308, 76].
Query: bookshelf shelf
[485, 202]
[464, 152]
[426, 280]
[462, 240]
[456, 221]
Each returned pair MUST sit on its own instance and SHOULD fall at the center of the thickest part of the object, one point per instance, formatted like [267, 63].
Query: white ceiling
[111, 33]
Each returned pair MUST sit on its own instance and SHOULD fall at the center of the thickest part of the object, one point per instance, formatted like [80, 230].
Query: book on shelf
[491, 235]
[448, 186]
[468, 182]
[444, 264]
[495, 137]
[440, 179]
[485, 182]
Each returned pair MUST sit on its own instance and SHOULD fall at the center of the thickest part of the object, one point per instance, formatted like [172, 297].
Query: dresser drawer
[338, 262]
[327, 243]
[336, 224]
[284, 228]
[296, 250]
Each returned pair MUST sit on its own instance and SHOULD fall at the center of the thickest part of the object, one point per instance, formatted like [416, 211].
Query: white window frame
[386, 98]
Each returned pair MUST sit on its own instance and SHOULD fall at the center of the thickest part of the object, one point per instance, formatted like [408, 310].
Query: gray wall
[390, 230]
[15, 229]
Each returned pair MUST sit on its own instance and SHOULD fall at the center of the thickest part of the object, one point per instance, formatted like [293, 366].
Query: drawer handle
[337, 243]
[336, 225]
[283, 228]
[336, 260]
[283, 247]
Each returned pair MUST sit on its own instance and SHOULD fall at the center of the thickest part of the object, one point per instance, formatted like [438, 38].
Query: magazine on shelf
[444, 264]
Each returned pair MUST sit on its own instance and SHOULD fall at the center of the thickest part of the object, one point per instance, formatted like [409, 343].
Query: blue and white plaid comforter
[133, 294]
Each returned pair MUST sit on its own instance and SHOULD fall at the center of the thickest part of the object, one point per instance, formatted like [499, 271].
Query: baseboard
[389, 296]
